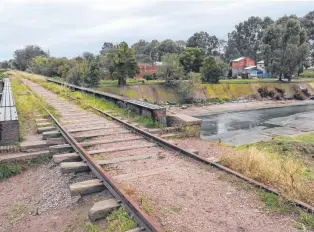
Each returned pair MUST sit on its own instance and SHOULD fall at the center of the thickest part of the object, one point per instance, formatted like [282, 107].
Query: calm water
[247, 120]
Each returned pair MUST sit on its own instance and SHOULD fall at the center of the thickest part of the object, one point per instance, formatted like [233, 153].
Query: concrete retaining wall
[158, 93]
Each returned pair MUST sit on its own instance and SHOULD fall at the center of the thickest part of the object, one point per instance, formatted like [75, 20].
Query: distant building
[260, 65]
[146, 69]
[239, 65]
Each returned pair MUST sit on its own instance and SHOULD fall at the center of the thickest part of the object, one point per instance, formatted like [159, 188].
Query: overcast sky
[70, 27]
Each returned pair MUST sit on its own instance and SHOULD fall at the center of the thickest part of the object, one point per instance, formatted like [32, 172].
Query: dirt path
[234, 107]
[39, 200]
[184, 195]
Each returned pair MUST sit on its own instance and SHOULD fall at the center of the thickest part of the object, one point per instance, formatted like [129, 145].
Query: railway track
[118, 153]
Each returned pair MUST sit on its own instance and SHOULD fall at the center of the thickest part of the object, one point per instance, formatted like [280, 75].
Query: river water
[252, 126]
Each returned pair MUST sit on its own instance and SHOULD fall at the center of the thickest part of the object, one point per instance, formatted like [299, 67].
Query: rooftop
[238, 59]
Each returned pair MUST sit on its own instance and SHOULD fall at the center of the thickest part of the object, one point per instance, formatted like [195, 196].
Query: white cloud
[69, 27]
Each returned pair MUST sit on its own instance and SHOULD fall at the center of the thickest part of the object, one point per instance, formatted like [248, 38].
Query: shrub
[210, 71]
[300, 94]
[306, 92]
[150, 76]
[263, 91]
[280, 91]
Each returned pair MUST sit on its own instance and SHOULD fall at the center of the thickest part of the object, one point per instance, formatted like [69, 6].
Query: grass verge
[13, 169]
[27, 107]
[87, 100]
[120, 221]
[285, 163]
[274, 203]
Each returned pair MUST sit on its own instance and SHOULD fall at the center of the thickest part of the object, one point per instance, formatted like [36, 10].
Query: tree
[139, 47]
[308, 24]
[246, 39]
[23, 57]
[91, 76]
[285, 47]
[204, 41]
[171, 69]
[123, 63]
[106, 48]
[4, 64]
[167, 46]
[181, 44]
[88, 56]
[151, 49]
[75, 76]
[191, 59]
[210, 71]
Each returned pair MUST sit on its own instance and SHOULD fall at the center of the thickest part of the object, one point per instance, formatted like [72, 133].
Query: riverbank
[212, 109]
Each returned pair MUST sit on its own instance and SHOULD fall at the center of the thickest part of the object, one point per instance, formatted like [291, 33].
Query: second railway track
[138, 165]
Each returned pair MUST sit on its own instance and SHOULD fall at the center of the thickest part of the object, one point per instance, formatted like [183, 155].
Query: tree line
[286, 46]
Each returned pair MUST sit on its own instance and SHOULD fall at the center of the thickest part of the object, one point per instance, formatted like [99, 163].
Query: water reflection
[247, 120]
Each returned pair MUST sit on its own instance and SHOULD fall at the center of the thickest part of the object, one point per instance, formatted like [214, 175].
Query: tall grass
[287, 173]
[28, 106]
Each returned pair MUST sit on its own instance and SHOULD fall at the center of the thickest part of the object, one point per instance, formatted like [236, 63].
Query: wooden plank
[88, 136]
[151, 172]
[121, 149]
[91, 128]
[97, 142]
[126, 159]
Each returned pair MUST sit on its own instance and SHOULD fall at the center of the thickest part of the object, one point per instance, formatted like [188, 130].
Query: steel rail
[145, 223]
[185, 152]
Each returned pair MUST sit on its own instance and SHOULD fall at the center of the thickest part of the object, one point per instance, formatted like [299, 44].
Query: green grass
[216, 100]
[13, 169]
[91, 227]
[86, 100]
[275, 203]
[130, 81]
[28, 106]
[9, 170]
[146, 204]
[120, 221]
[308, 74]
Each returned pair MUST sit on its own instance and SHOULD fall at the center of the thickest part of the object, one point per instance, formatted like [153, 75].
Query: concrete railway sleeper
[101, 149]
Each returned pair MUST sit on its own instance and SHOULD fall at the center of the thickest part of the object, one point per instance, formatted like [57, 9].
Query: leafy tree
[171, 69]
[181, 44]
[167, 46]
[106, 48]
[151, 49]
[123, 63]
[246, 39]
[91, 75]
[308, 24]
[23, 57]
[210, 71]
[74, 75]
[140, 46]
[88, 56]
[285, 47]
[191, 59]
[4, 64]
[204, 41]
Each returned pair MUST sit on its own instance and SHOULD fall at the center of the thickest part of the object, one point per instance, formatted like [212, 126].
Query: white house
[260, 66]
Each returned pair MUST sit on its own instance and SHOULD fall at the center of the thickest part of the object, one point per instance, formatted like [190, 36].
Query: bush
[149, 77]
[263, 91]
[306, 92]
[210, 70]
